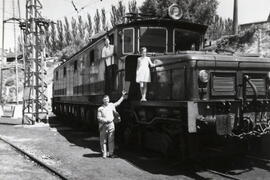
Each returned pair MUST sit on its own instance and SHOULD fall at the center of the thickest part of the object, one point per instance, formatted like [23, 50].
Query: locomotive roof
[212, 56]
[167, 23]
[148, 22]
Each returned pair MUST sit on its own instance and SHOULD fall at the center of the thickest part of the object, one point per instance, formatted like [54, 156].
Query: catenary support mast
[34, 100]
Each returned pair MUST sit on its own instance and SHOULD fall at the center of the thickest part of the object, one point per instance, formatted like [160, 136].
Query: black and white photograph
[135, 89]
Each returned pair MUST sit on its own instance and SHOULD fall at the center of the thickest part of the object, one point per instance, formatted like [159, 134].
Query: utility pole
[3, 51]
[235, 17]
[15, 51]
[34, 100]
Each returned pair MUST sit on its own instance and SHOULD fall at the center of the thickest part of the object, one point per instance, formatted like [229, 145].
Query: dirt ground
[15, 166]
[75, 153]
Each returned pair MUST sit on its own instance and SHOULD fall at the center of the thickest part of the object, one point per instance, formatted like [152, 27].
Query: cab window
[128, 41]
[154, 39]
[186, 40]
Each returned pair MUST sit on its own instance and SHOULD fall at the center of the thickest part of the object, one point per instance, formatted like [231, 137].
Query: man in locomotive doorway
[108, 57]
[143, 75]
[106, 116]
[107, 52]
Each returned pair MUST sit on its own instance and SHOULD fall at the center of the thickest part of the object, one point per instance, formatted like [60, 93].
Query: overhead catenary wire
[79, 9]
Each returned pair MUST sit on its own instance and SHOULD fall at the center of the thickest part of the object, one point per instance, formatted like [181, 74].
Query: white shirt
[106, 112]
[107, 53]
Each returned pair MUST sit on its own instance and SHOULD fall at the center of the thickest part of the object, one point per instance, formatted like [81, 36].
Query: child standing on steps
[143, 72]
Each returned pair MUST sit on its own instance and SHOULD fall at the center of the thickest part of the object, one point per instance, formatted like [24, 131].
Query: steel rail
[257, 158]
[43, 165]
[222, 174]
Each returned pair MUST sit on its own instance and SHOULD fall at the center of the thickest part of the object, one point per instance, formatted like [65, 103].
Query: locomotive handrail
[246, 78]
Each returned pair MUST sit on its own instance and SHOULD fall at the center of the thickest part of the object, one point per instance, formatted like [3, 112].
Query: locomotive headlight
[203, 76]
[175, 12]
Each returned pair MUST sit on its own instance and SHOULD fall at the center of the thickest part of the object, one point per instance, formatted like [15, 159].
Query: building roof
[258, 22]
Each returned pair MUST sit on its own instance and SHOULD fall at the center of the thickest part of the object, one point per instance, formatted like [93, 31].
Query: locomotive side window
[92, 57]
[56, 75]
[185, 40]
[75, 65]
[154, 39]
[64, 71]
[128, 41]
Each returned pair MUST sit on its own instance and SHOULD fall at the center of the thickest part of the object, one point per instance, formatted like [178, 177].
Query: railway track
[35, 160]
[221, 174]
[235, 166]
[257, 158]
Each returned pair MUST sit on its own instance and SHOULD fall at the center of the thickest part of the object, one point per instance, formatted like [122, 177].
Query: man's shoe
[104, 156]
[113, 156]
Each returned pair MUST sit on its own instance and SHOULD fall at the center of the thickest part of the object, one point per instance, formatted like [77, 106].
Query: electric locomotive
[192, 93]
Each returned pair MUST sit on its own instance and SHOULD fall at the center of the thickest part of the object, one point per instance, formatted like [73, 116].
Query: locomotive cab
[164, 39]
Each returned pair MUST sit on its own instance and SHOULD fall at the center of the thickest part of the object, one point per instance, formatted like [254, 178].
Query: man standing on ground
[105, 115]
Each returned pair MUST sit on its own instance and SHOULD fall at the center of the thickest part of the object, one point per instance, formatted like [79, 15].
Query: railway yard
[59, 151]
[163, 89]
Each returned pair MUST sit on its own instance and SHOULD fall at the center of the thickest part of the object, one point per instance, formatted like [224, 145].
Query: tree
[114, 16]
[97, 22]
[162, 6]
[60, 32]
[89, 27]
[118, 14]
[149, 7]
[104, 20]
[132, 6]
[53, 38]
[228, 26]
[74, 27]
[204, 10]
[197, 11]
[67, 32]
[81, 28]
[47, 40]
[219, 27]
[121, 12]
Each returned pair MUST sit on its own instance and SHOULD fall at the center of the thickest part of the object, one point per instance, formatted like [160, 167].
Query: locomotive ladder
[34, 98]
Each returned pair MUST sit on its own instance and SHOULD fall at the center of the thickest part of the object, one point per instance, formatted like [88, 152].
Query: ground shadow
[155, 164]
[77, 135]
[92, 155]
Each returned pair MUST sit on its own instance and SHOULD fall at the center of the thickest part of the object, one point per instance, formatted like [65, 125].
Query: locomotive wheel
[82, 114]
[128, 132]
[166, 143]
[169, 144]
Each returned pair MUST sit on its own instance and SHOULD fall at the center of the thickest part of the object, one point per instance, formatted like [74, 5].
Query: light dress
[143, 70]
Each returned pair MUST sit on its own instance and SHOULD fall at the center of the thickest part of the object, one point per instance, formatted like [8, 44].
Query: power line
[79, 9]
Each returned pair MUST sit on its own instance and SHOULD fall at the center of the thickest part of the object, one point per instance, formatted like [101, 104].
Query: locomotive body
[192, 92]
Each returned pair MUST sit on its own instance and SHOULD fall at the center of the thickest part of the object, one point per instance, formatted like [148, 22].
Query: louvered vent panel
[260, 85]
[223, 84]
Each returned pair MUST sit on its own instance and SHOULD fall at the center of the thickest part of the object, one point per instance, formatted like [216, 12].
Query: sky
[249, 11]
